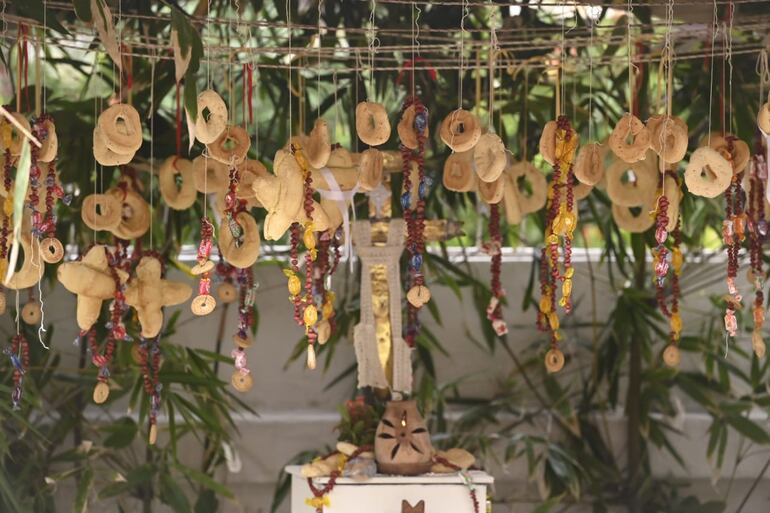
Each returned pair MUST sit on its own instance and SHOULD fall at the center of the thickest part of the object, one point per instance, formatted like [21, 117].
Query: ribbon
[344, 200]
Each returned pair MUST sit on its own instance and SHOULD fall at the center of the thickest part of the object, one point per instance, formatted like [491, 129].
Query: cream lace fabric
[370, 371]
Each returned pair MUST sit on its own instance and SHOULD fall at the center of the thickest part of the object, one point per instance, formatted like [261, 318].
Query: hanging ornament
[733, 235]
[413, 156]
[241, 378]
[561, 220]
[494, 249]
[757, 234]
[149, 360]
[18, 353]
[204, 303]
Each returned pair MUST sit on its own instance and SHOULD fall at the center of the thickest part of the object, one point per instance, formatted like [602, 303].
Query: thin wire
[374, 43]
[629, 14]
[493, 48]
[730, 65]
[591, 82]
[465, 14]
[152, 145]
[318, 71]
[288, 26]
[45, 49]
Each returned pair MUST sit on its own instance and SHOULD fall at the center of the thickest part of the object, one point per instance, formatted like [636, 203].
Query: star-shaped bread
[91, 280]
[148, 293]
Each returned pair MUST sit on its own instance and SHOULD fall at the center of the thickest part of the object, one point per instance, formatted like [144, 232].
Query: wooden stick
[26, 133]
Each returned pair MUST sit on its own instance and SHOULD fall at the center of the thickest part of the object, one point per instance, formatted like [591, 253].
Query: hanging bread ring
[631, 193]
[31, 270]
[17, 138]
[671, 356]
[554, 360]
[318, 148]
[630, 126]
[491, 192]
[134, 214]
[489, 157]
[370, 166]
[231, 147]
[241, 255]
[372, 125]
[49, 144]
[634, 222]
[211, 120]
[668, 137]
[248, 171]
[707, 174]
[407, 131]
[589, 165]
[738, 156]
[177, 197]
[458, 172]
[532, 197]
[203, 304]
[51, 250]
[460, 130]
[763, 118]
[106, 156]
[547, 143]
[121, 128]
[581, 191]
[100, 211]
[210, 175]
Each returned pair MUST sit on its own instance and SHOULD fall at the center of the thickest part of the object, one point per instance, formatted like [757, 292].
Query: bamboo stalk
[26, 133]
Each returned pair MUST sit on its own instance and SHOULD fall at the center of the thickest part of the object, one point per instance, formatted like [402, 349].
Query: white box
[442, 493]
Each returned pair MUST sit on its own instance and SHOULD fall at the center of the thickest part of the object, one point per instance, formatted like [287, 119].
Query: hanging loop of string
[763, 72]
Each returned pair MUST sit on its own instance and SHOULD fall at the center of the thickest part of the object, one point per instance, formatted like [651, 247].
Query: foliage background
[618, 367]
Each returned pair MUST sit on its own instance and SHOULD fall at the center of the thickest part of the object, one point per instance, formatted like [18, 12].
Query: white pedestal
[442, 493]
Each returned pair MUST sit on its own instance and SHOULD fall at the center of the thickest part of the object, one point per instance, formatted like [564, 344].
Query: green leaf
[748, 428]
[207, 502]
[204, 480]
[84, 488]
[172, 494]
[121, 433]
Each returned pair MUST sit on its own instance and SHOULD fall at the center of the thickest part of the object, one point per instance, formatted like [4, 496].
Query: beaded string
[233, 206]
[757, 232]
[18, 353]
[149, 360]
[494, 249]
[246, 297]
[733, 234]
[306, 304]
[320, 497]
[205, 301]
[39, 131]
[414, 214]
[561, 221]
[7, 210]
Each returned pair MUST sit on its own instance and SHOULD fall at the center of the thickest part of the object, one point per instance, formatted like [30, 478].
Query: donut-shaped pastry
[227, 292]
[203, 304]
[210, 175]
[581, 191]
[707, 174]
[178, 197]
[630, 127]
[731, 148]
[531, 185]
[49, 143]
[554, 360]
[372, 125]
[17, 138]
[460, 130]
[244, 253]
[31, 269]
[407, 130]
[51, 250]
[104, 155]
[637, 220]
[489, 157]
[458, 172]
[135, 214]
[31, 313]
[121, 128]
[491, 192]
[211, 120]
[589, 165]
[231, 147]
[101, 211]
[547, 143]
[633, 192]
[763, 118]
[668, 137]
[318, 148]
[248, 171]
[370, 165]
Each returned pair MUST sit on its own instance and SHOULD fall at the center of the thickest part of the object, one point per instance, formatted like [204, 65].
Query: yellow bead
[293, 284]
[557, 335]
[8, 205]
[677, 260]
[569, 272]
[553, 321]
[552, 239]
[566, 288]
[676, 324]
[310, 316]
[545, 304]
[309, 236]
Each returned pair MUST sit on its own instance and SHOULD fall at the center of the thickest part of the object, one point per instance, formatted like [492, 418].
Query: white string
[763, 71]
[729, 37]
[41, 328]
[45, 47]
[591, 80]
[714, 31]
[152, 144]
[465, 12]
[493, 49]
[629, 14]
[374, 44]
[336, 106]
[318, 71]
[288, 27]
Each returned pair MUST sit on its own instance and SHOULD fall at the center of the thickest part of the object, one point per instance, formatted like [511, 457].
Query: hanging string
[493, 49]
[374, 44]
[465, 14]
[288, 27]
[729, 37]
[318, 71]
[336, 106]
[763, 71]
[714, 31]
[152, 144]
[592, 23]
[45, 50]
[629, 14]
